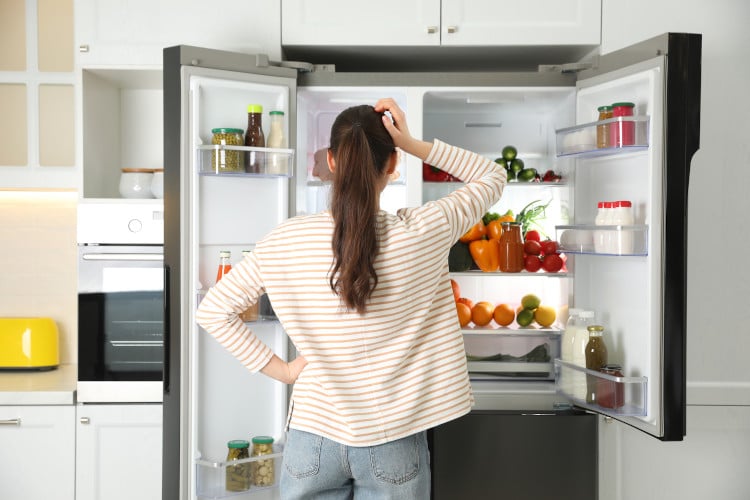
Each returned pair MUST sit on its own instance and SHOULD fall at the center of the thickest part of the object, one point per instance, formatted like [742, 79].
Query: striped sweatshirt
[397, 369]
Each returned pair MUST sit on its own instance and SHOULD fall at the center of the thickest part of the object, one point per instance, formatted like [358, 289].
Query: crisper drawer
[517, 354]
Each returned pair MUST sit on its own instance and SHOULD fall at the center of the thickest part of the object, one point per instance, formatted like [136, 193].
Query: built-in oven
[121, 304]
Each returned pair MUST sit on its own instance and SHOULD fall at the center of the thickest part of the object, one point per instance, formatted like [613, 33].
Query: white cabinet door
[117, 32]
[343, 22]
[37, 452]
[513, 23]
[118, 452]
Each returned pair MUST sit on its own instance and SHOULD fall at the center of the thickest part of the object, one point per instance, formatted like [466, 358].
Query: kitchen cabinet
[135, 32]
[519, 455]
[37, 456]
[118, 451]
[446, 23]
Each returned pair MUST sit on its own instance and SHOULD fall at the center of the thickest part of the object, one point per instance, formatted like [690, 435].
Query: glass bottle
[511, 248]
[224, 265]
[277, 163]
[238, 476]
[602, 131]
[566, 348]
[263, 470]
[580, 339]
[596, 357]
[254, 137]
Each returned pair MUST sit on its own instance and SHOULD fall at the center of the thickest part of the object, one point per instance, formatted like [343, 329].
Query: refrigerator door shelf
[620, 240]
[620, 396]
[211, 475]
[581, 140]
[278, 162]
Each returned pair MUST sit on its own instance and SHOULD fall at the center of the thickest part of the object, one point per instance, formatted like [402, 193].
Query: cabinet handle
[85, 420]
[11, 421]
[431, 30]
[452, 29]
[83, 48]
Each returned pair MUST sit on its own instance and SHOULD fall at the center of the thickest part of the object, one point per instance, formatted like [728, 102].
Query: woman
[365, 297]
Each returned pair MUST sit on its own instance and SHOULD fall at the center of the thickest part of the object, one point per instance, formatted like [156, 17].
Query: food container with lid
[263, 470]
[136, 182]
[157, 183]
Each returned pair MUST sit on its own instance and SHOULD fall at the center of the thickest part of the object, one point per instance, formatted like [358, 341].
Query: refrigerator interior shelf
[512, 331]
[580, 140]
[211, 476]
[276, 162]
[621, 396]
[539, 274]
[603, 240]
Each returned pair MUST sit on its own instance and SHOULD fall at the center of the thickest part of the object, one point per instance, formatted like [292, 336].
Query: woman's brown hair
[361, 147]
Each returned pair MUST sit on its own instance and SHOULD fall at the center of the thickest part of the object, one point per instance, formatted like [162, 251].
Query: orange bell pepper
[476, 232]
[486, 254]
[494, 229]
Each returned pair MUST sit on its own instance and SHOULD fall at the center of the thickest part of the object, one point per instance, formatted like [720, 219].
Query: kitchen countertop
[52, 387]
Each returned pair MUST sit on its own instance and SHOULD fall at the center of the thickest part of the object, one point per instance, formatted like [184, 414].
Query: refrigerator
[550, 116]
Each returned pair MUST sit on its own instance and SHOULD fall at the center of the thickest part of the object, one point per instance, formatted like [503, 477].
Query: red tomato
[552, 263]
[549, 247]
[533, 235]
[532, 247]
[532, 263]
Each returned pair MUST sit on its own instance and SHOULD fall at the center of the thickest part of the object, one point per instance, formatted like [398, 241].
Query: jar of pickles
[238, 476]
[263, 470]
[227, 160]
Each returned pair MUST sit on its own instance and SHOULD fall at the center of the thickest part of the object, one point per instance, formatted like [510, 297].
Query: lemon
[530, 301]
[545, 315]
[525, 317]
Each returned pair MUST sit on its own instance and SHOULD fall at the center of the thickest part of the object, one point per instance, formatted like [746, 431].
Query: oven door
[120, 323]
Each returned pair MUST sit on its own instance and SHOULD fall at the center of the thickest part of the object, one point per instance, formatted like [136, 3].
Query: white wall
[713, 460]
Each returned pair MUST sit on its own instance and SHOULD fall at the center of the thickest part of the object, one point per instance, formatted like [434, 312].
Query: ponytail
[361, 148]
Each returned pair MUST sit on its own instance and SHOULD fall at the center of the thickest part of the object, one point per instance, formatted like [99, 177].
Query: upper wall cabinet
[441, 23]
[135, 32]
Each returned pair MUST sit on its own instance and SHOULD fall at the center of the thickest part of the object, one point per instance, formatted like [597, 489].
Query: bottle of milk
[580, 339]
[603, 237]
[566, 349]
[622, 215]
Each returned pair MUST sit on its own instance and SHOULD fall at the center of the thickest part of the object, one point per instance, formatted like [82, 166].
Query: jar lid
[157, 170]
[227, 131]
[225, 253]
[137, 170]
[587, 314]
[510, 223]
[276, 113]
[254, 108]
[238, 443]
[595, 328]
[623, 104]
[612, 367]
[625, 203]
[604, 108]
[262, 440]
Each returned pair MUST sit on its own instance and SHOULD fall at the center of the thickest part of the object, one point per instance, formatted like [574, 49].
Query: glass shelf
[580, 140]
[276, 162]
[525, 274]
[603, 240]
[622, 396]
[211, 475]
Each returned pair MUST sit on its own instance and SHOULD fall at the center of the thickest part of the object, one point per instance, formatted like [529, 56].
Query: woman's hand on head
[399, 131]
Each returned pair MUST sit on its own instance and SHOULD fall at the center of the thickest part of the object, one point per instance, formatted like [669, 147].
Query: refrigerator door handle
[167, 332]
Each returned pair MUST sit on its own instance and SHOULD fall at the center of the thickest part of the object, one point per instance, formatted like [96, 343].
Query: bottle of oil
[596, 357]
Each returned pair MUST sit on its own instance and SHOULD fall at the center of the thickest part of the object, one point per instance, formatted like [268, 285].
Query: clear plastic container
[136, 182]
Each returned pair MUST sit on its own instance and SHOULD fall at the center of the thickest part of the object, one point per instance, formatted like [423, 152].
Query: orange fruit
[481, 313]
[456, 290]
[464, 314]
[466, 301]
[504, 315]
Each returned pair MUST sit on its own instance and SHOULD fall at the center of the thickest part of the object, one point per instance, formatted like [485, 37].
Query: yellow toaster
[29, 344]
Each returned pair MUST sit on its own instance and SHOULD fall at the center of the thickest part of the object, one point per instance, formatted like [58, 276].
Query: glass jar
[596, 357]
[263, 470]
[622, 133]
[511, 248]
[136, 182]
[602, 131]
[610, 393]
[254, 138]
[157, 183]
[226, 160]
[238, 476]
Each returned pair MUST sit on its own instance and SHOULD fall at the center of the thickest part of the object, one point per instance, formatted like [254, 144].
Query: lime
[509, 152]
[530, 301]
[502, 162]
[525, 317]
[527, 174]
[545, 315]
[516, 165]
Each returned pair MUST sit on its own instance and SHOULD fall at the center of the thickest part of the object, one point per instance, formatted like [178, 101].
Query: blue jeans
[318, 468]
